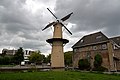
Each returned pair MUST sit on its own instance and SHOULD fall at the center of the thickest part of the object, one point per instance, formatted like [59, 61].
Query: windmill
[57, 42]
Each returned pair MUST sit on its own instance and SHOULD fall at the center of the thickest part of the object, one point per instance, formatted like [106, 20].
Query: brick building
[97, 43]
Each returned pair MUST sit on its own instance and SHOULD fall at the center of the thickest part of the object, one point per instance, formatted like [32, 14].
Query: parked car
[23, 63]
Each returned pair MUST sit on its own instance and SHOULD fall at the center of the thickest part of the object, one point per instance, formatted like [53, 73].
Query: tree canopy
[98, 60]
[47, 59]
[19, 56]
[68, 58]
[36, 57]
[98, 64]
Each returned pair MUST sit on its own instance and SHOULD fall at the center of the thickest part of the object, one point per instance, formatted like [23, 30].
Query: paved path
[18, 68]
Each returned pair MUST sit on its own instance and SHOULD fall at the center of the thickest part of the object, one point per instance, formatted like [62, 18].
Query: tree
[68, 58]
[47, 59]
[43, 58]
[98, 64]
[19, 56]
[4, 53]
[98, 60]
[36, 57]
[6, 60]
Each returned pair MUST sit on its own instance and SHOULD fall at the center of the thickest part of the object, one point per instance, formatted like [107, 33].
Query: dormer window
[81, 41]
[98, 37]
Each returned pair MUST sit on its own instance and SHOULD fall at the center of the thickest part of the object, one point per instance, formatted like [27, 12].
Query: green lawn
[7, 65]
[57, 75]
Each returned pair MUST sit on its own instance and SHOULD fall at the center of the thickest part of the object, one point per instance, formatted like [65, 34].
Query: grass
[7, 65]
[57, 75]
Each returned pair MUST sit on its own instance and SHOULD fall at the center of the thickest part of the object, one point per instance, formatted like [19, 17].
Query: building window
[75, 50]
[117, 38]
[81, 40]
[94, 47]
[98, 37]
[104, 46]
[88, 56]
[115, 47]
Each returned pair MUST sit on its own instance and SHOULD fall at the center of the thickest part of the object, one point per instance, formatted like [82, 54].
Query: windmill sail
[66, 17]
[52, 13]
[50, 24]
[58, 21]
[66, 28]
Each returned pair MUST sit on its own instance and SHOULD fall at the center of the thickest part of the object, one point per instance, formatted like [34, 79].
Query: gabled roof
[91, 39]
[116, 40]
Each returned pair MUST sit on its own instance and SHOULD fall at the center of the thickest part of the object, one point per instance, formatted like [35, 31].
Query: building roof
[116, 40]
[91, 39]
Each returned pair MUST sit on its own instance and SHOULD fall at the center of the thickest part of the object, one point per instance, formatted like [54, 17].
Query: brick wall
[81, 53]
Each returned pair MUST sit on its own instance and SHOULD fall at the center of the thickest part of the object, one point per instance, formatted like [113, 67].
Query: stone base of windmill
[57, 54]
[58, 68]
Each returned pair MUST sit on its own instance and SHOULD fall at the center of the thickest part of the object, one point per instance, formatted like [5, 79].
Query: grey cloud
[91, 15]
[21, 27]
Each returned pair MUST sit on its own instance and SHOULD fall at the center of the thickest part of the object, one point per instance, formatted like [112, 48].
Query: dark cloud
[91, 15]
[21, 24]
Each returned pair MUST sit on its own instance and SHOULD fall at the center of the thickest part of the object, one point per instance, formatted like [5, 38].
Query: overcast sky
[21, 21]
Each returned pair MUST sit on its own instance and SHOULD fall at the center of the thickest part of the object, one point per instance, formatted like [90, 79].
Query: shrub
[84, 64]
[100, 68]
[97, 64]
